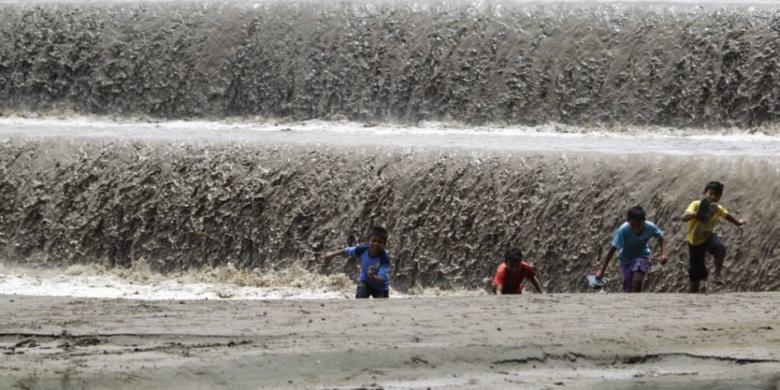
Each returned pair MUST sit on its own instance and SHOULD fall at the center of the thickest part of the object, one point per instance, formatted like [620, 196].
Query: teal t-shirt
[633, 246]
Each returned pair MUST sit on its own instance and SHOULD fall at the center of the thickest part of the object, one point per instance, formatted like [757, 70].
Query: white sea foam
[431, 135]
[112, 286]
[95, 281]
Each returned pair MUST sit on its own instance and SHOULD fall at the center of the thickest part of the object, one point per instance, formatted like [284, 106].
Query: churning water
[526, 62]
[192, 136]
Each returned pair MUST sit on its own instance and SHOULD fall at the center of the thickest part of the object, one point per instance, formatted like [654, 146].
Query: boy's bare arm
[687, 216]
[537, 284]
[738, 222]
[328, 256]
[604, 264]
[663, 257]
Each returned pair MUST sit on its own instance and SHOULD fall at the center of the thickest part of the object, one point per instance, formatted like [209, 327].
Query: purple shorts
[640, 264]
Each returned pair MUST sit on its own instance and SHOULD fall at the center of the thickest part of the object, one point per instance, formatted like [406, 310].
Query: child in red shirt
[511, 273]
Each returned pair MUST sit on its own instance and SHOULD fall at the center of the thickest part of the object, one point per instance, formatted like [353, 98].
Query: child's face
[637, 225]
[711, 195]
[375, 245]
[513, 265]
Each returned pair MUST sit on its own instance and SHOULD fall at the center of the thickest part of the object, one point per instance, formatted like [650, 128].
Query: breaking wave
[451, 214]
[513, 62]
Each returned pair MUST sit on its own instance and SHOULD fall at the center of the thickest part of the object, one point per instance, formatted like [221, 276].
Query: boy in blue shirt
[374, 280]
[631, 239]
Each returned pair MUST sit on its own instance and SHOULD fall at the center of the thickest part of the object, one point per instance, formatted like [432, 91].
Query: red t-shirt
[513, 281]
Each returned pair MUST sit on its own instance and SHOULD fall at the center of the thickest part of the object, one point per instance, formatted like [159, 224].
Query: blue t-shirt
[633, 246]
[382, 263]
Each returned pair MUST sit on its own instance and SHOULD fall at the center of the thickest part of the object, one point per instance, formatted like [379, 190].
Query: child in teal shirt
[631, 239]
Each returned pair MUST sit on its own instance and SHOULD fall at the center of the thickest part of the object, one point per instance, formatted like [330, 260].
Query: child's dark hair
[377, 231]
[715, 186]
[513, 254]
[636, 213]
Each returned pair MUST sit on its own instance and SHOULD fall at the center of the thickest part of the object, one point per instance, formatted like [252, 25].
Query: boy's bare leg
[718, 268]
[637, 278]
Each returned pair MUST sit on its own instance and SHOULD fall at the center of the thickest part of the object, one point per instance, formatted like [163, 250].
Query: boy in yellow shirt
[702, 216]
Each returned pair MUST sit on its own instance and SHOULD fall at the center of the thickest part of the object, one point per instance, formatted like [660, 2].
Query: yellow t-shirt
[698, 231]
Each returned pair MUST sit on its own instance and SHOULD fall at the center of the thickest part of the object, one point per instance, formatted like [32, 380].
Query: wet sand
[666, 341]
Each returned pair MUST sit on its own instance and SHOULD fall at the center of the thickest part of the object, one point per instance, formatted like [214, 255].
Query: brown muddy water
[678, 63]
[686, 84]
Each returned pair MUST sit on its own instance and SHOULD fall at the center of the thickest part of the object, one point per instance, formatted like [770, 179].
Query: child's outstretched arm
[537, 284]
[607, 259]
[330, 255]
[738, 222]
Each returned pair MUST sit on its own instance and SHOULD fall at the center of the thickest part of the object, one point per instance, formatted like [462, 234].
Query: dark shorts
[640, 264]
[365, 290]
[697, 270]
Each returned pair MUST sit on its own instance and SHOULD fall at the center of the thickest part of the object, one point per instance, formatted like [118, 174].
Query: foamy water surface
[91, 281]
[64, 284]
[427, 135]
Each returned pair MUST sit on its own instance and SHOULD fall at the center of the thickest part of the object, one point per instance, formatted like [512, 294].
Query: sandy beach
[667, 341]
